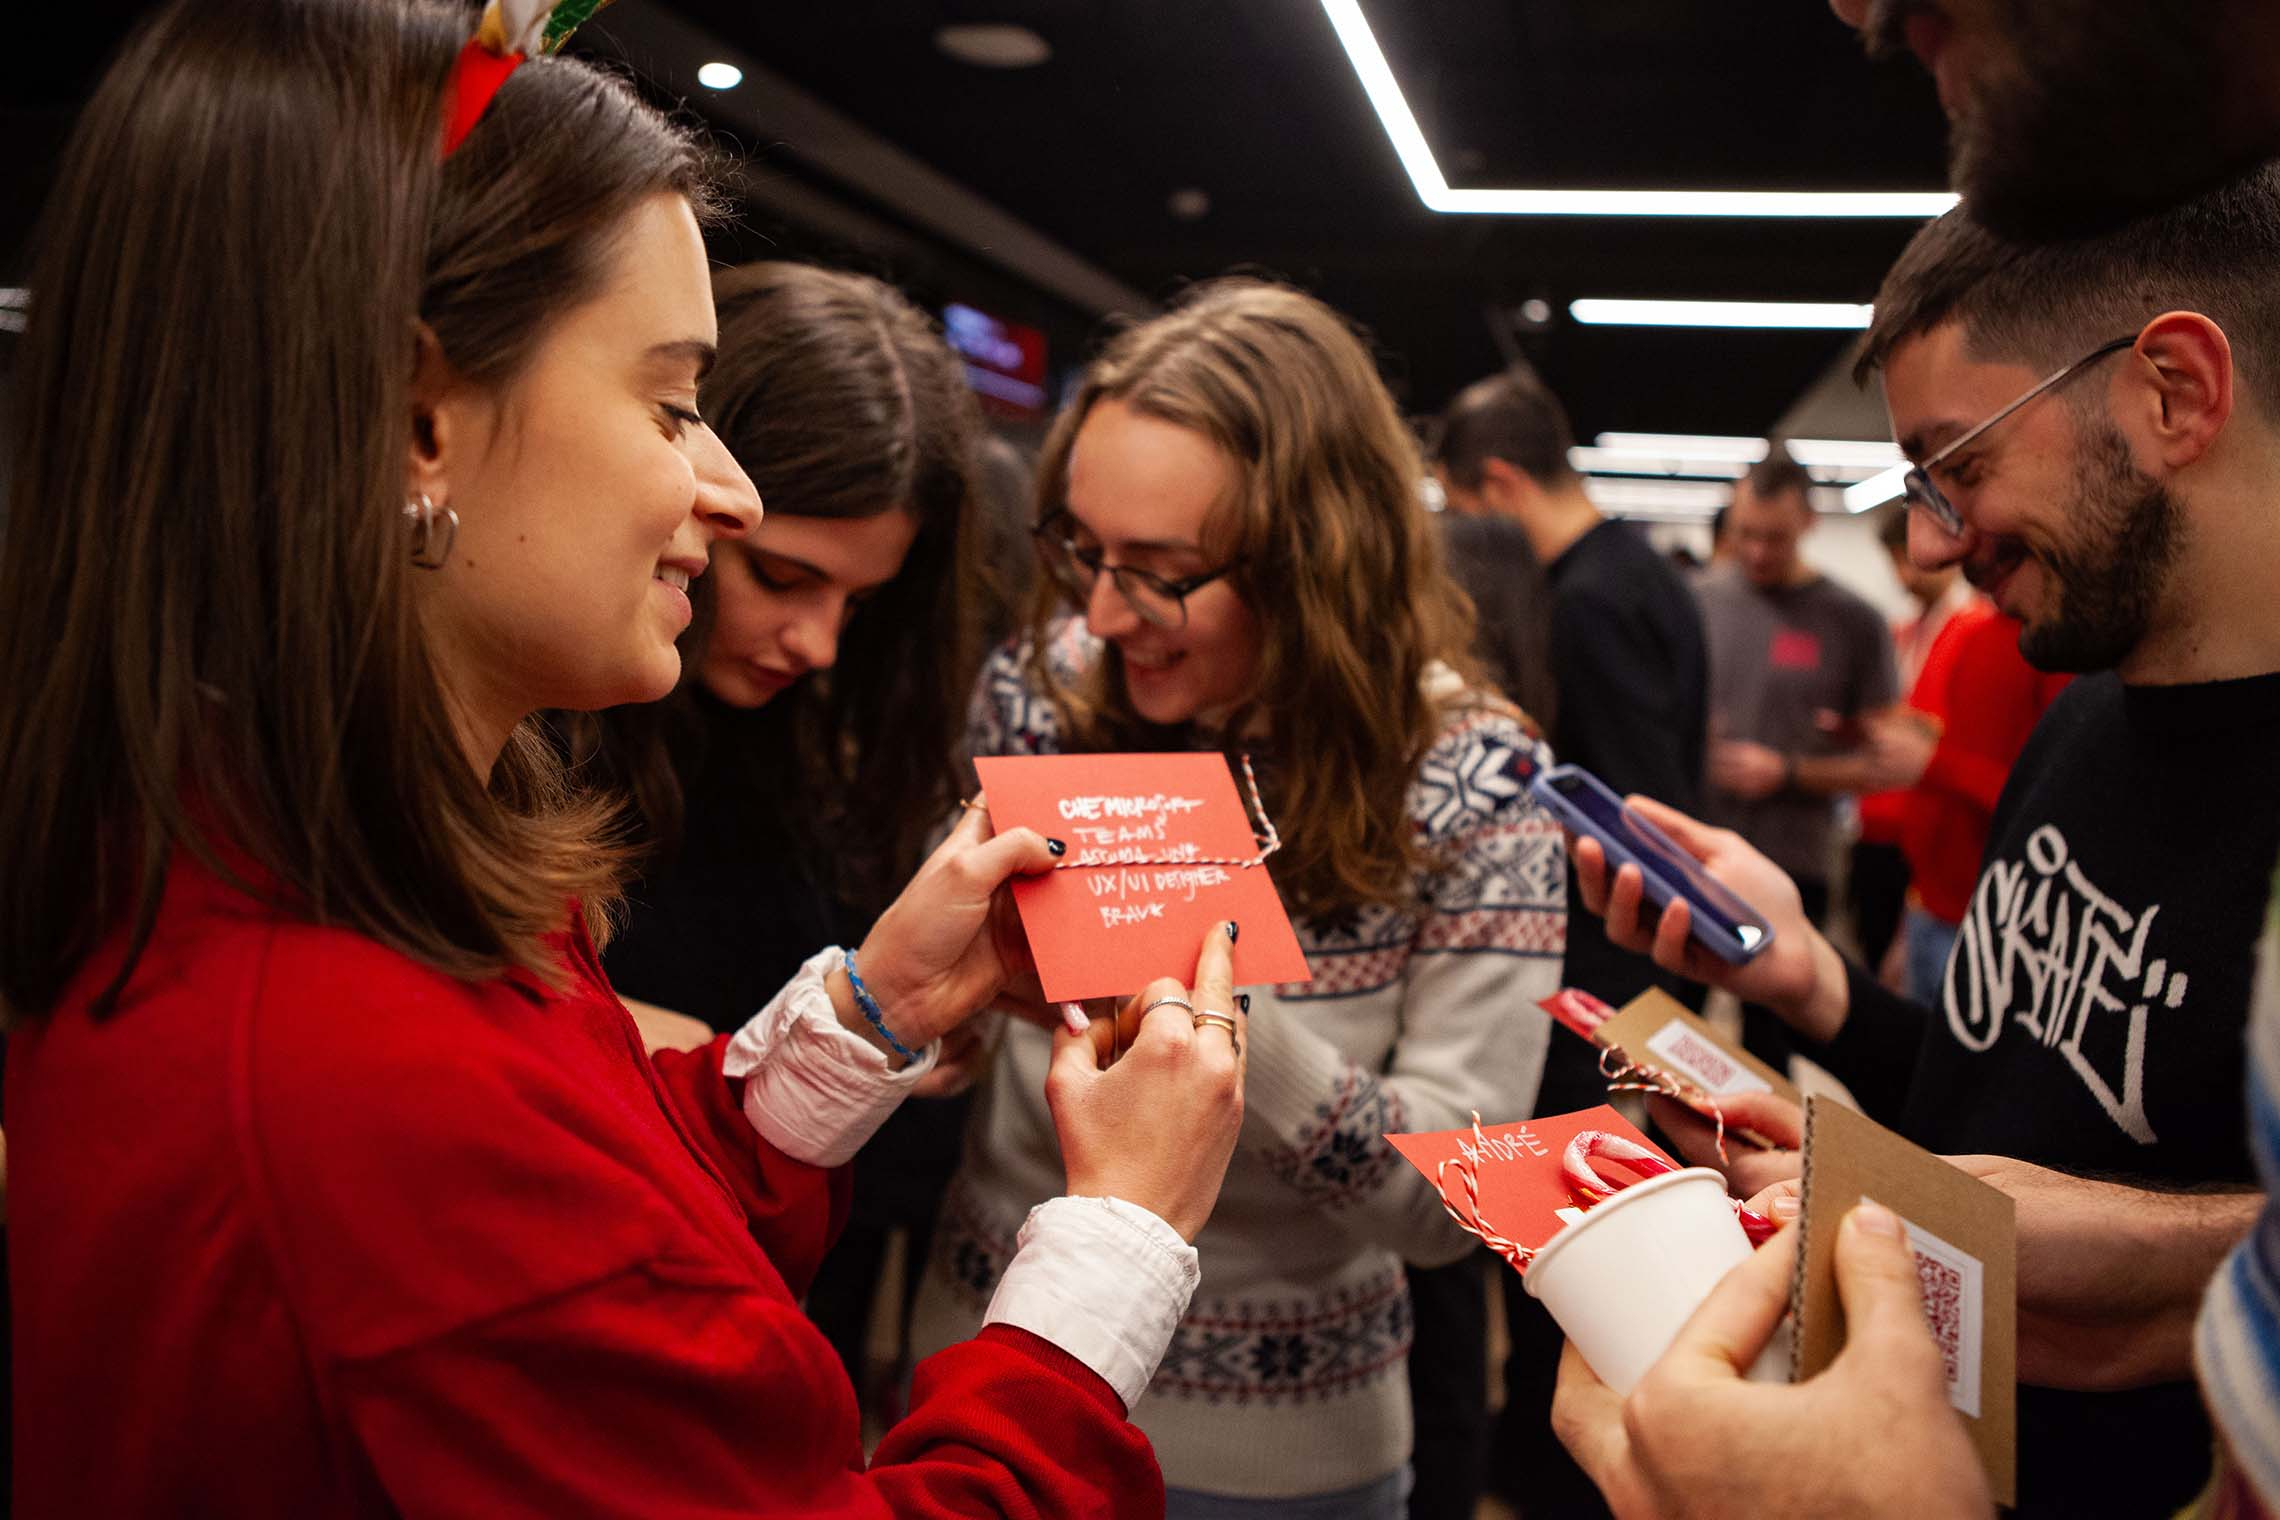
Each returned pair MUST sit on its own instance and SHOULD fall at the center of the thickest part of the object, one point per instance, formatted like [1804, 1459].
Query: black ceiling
[1253, 102]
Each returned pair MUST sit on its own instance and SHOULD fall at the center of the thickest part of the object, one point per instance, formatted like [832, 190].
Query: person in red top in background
[342, 1183]
[1984, 699]
[1878, 882]
[1972, 702]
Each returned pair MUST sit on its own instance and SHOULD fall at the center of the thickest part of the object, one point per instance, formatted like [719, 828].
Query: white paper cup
[1623, 1279]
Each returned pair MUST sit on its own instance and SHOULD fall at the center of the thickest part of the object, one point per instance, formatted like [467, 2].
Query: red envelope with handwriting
[1135, 894]
[1523, 1195]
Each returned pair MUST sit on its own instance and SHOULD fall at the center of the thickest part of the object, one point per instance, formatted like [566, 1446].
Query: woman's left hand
[946, 946]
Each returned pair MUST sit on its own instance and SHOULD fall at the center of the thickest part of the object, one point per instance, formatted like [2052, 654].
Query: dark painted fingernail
[1233, 929]
[1056, 847]
[1243, 1001]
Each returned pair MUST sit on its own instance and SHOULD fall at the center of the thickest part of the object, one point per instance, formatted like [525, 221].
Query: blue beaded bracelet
[870, 1007]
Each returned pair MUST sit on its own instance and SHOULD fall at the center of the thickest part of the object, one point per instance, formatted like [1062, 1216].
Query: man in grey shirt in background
[1795, 661]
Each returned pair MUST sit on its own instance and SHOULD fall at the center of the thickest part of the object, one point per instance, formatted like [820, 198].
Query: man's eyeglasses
[1076, 568]
[1917, 488]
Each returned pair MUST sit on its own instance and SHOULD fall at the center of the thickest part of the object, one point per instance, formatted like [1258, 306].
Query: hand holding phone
[1720, 921]
[1787, 965]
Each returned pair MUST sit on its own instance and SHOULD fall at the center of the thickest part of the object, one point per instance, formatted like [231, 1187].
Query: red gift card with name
[1524, 1193]
[1155, 850]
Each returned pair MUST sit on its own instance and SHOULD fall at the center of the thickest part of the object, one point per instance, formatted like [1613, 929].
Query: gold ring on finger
[1221, 1021]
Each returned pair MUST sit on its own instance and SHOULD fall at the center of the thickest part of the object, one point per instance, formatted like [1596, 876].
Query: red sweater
[306, 1229]
[1988, 699]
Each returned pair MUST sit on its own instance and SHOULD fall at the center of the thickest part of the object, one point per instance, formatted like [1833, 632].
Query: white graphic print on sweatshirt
[2043, 947]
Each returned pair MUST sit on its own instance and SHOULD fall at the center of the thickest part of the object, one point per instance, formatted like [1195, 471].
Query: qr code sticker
[1942, 1285]
[1950, 1280]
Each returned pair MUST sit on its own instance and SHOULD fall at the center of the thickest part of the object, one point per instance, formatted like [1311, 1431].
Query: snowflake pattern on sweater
[1415, 1014]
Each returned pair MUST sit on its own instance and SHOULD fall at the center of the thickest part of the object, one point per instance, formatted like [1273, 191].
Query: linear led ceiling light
[1591, 461]
[1806, 451]
[1688, 496]
[1873, 469]
[1876, 490]
[1594, 312]
[1417, 157]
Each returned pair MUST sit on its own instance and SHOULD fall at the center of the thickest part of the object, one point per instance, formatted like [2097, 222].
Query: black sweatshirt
[2093, 1013]
[1628, 661]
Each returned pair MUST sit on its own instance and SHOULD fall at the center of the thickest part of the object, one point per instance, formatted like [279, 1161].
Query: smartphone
[1728, 928]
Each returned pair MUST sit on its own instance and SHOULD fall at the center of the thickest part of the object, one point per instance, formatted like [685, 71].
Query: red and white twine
[1629, 1076]
[1468, 1175]
[1261, 825]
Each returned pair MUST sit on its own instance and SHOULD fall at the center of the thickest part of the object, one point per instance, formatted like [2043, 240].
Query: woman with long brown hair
[1231, 502]
[357, 424]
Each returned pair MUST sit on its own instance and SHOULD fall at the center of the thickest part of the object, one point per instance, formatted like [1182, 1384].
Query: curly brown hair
[1332, 547]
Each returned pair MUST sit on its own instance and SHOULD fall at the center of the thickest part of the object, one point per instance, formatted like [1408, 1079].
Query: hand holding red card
[1156, 845]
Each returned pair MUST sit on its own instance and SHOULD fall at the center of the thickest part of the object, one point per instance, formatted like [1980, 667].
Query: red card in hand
[1133, 900]
[1523, 1195]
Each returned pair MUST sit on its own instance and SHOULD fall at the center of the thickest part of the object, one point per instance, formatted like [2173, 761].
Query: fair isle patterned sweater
[1288, 1375]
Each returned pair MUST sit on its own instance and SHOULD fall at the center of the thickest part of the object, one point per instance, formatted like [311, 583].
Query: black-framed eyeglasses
[1917, 488]
[1076, 568]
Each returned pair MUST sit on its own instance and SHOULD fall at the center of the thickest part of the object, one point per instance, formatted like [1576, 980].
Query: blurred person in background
[1973, 700]
[1876, 881]
[1005, 483]
[1631, 682]
[1796, 661]
[1230, 507]
[1496, 564]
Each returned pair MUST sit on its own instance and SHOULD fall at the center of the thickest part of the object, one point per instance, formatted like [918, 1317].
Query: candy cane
[1587, 1185]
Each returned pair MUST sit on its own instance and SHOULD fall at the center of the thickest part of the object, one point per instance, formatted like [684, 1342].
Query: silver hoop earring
[434, 530]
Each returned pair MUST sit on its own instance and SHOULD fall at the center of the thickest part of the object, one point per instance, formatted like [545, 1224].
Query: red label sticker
[1795, 649]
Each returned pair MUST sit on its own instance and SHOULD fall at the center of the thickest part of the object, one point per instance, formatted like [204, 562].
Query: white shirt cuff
[813, 1088]
[1104, 1280]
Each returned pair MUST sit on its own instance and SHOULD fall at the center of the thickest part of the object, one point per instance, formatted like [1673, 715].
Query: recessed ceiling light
[1189, 205]
[1433, 187]
[1795, 314]
[720, 76]
[993, 45]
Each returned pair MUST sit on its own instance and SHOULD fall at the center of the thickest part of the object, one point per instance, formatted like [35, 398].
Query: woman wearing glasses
[1230, 506]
